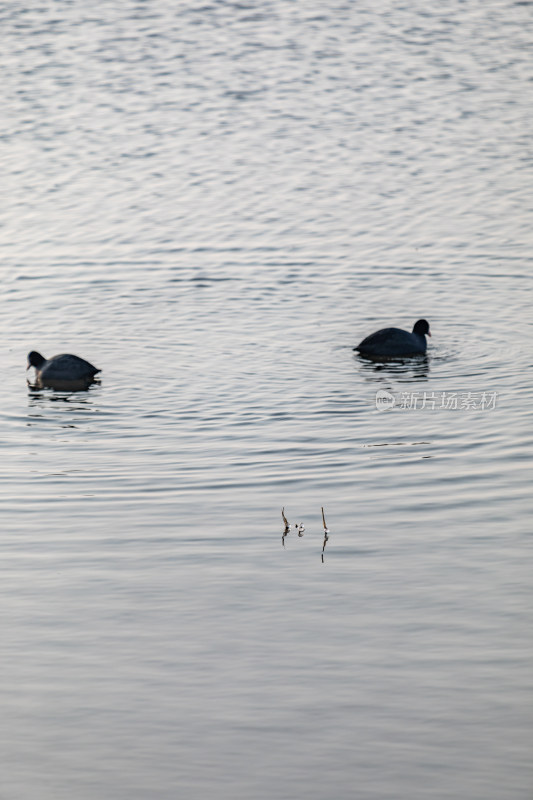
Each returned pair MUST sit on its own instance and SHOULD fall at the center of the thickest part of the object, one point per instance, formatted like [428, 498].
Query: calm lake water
[214, 203]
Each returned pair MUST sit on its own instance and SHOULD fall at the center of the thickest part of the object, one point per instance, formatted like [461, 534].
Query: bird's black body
[63, 371]
[395, 342]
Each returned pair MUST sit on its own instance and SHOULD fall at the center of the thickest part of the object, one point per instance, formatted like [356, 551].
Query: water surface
[214, 204]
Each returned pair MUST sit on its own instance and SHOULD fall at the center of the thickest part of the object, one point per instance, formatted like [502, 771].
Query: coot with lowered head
[394, 342]
[61, 371]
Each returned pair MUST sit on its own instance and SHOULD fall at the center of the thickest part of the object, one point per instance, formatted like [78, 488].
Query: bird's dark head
[35, 359]
[422, 328]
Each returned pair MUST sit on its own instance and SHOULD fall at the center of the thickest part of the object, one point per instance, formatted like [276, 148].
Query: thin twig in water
[287, 526]
[326, 532]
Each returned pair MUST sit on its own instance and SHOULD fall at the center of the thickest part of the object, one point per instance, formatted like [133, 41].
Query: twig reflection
[300, 529]
[287, 526]
[326, 533]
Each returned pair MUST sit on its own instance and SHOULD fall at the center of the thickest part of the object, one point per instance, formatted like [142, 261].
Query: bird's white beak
[429, 333]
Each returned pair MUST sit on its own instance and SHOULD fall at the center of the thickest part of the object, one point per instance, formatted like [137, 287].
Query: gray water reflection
[404, 370]
[71, 409]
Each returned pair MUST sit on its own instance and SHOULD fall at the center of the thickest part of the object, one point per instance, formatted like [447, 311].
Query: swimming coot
[61, 371]
[393, 342]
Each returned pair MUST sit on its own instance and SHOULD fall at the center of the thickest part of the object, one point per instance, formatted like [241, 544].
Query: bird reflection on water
[406, 370]
[78, 404]
[66, 387]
